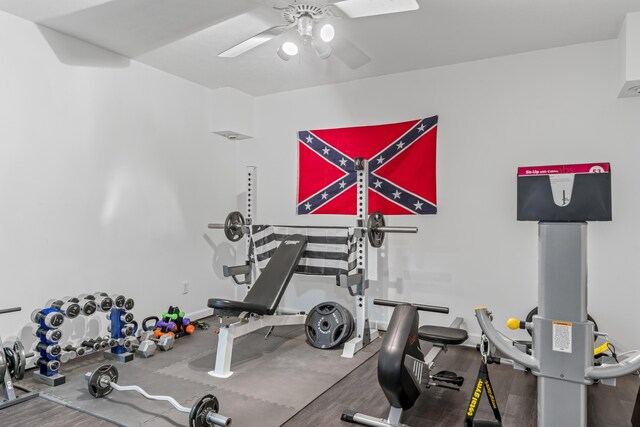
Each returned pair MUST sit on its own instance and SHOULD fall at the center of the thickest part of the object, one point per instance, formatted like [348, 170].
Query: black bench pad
[264, 296]
[442, 334]
[226, 305]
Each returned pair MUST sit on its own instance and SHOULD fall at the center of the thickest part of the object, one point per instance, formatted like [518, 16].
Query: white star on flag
[421, 127]
[380, 160]
[325, 150]
[418, 205]
[343, 162]
[324, 195]
[397, 194]
[400, 145]
[307, 206]
[309, 139]
[378, 183]
[342, 184]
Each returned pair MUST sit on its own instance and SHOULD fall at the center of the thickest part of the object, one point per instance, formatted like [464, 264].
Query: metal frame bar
[229, 333]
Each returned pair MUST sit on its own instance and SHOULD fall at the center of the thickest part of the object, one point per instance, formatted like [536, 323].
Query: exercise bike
[404, 371]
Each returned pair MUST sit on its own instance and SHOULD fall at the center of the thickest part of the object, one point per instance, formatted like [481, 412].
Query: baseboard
[200, 314]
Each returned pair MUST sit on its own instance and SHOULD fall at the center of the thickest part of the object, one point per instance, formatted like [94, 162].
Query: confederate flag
[402, 168]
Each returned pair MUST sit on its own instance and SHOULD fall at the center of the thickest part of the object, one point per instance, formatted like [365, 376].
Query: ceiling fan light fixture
[287, 51]
[323, 50]
[327, 32]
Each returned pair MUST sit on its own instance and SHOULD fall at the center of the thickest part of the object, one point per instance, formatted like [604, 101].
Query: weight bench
[404, 372]
[260, 306]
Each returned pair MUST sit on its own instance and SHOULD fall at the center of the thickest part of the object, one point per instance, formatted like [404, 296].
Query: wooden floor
[515, 392]
[359, 391]
[43, 413]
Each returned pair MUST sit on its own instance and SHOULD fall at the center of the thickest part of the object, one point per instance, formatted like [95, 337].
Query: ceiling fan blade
[255, 41]
[349, 53]
[360, 8]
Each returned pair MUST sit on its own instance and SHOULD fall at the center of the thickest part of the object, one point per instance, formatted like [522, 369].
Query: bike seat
[442, 334]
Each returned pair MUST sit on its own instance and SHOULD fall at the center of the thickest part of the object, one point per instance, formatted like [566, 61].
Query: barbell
[204, 413]
[235, 227]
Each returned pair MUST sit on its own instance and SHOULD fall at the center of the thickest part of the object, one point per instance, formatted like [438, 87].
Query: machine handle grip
[502, 343]
[10, 310]
[624, 367]
[421, 307]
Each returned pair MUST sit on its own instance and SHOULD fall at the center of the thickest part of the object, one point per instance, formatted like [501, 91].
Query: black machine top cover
[400, 339]
[265, 295]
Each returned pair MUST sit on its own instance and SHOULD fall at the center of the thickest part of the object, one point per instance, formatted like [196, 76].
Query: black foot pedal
[448, 377]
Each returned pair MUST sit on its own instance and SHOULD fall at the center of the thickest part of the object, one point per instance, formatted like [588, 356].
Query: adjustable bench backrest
[400, 339]
[275, 277]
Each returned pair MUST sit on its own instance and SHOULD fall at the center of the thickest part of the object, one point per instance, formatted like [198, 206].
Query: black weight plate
[326, 325]
[12, 361]
[100, 390]
[199, 411]
[21, 358]
[233, 226]
[376, 238]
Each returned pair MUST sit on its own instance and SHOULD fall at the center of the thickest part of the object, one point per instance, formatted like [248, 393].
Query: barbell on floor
[235, 227]
[204, 413]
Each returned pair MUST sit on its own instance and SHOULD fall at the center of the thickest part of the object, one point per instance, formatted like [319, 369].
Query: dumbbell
[126, 317]
[78, 350]
[96, 344]
[87, 306]
[146, 348]
[68, 308]
[170, 325]
[50, 349]
[118, 300]
[51, 335]
[111, 342]
[164, 342]
[50, 365]
[102, 300]
[52, 319]
[126, 330]
[66, 356]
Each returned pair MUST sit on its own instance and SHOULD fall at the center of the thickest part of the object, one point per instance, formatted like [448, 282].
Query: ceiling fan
[311, 20]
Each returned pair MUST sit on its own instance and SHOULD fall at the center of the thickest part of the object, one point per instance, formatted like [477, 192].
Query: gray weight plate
[351, 325]
[96, 387]
[21, 365]
[198, 415]
[3, 365]
[326, 325]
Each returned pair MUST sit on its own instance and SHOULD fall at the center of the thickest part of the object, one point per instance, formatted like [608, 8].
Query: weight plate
[3, 366]
[233, 226]
[199, 411]
[96, 387]
[376, 238]
[12, 361]
[21, 357]
[327, 324]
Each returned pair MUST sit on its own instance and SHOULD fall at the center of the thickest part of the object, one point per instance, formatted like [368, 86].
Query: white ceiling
[184, 37]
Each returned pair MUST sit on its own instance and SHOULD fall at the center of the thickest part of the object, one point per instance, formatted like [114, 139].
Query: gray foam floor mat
[273, 379]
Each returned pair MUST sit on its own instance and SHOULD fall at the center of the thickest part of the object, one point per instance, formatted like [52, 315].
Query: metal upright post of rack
[251, 203]
[360, 280]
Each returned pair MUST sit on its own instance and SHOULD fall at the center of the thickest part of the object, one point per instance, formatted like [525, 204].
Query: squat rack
[365, 231]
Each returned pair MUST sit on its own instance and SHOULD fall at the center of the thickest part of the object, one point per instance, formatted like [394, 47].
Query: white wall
[108, 177]
[547, 107]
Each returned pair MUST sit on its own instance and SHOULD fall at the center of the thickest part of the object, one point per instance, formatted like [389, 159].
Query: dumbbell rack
[8, 389]
[120, 330]
[48, 347]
